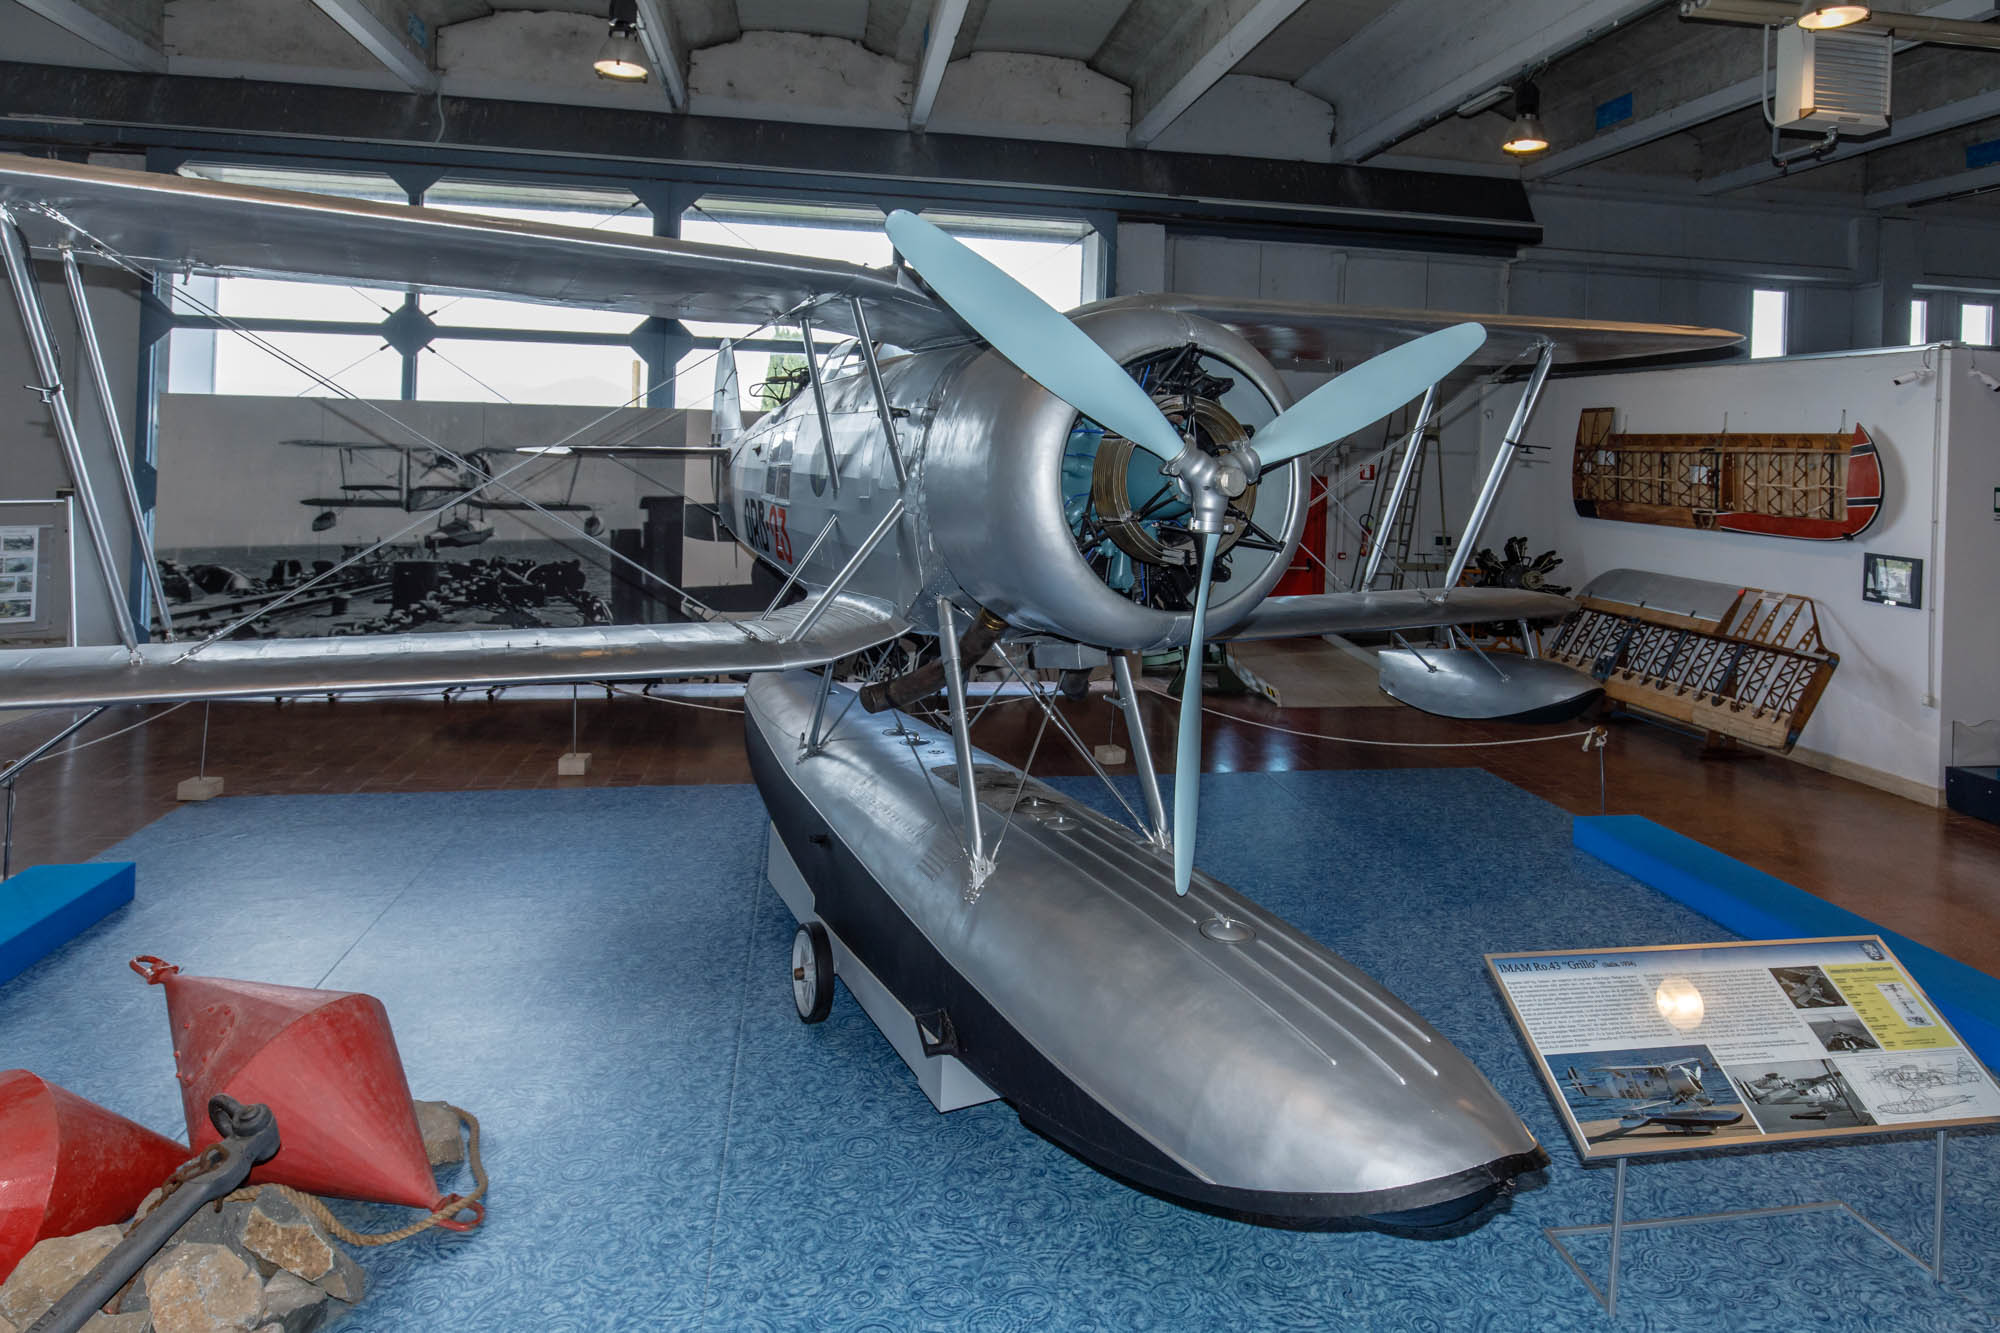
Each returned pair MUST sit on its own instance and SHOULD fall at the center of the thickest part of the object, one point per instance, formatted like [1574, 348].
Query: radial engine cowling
[1038, 529]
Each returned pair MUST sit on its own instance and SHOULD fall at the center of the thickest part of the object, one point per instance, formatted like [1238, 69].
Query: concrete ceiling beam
[947, 16]
[1938, 187]
[1222, 34]
[116, 40]
[663, 48]
[1711, 104]
[1902, 130]
[369, 24]
[1419, 61]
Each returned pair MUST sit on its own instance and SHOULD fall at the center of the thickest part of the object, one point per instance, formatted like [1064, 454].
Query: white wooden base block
[198, 789]
[573, 764]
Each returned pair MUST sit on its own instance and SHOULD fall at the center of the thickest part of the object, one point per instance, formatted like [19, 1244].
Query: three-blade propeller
[1063, 359]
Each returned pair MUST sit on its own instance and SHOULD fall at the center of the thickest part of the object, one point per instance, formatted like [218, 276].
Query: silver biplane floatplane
[1122, 479]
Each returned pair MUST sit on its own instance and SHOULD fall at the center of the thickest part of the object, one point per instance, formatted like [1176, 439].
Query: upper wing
[70, 677]
[174, 223]
[1402, 608]
[1299, 335]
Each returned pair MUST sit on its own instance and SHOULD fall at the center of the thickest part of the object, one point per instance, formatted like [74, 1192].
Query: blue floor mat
[601, 976]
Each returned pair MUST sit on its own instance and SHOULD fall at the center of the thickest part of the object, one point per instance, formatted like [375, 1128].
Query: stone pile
[260, 1265]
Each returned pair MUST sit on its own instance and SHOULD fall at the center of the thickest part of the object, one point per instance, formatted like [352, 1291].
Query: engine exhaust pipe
[928, 679]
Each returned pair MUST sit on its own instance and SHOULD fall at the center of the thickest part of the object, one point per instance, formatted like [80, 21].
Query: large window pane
[360, 364]
[851, 245]
[479, 312]
[694, 377]
[1045, 256]
[1767, 323]
[1975, 323]
[557, 205]
[344, 184]
[471, 371]
[271, 298]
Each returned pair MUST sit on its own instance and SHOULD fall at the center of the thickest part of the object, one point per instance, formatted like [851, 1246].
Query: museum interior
[999, 664]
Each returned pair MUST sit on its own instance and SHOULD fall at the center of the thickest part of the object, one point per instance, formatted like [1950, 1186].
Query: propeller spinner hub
[1211, 484]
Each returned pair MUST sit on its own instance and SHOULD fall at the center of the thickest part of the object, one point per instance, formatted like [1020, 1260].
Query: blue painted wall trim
[45, 907]
[1758, 906]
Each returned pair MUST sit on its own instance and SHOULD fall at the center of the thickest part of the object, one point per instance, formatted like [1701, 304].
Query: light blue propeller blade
[1187, 748]
[1366, 394]
[1054, 353]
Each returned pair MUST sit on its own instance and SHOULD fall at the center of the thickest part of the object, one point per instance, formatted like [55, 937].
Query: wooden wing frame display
[1754, 675]
[1812, 487]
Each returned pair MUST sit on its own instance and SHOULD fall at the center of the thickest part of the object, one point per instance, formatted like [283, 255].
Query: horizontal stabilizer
[165, 672]
[1398, 609]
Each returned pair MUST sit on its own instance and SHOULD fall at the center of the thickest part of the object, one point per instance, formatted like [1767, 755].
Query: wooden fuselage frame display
[1814, 487]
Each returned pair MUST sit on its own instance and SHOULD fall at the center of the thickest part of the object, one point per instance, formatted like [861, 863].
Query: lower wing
[162, 672]
[1400, 609]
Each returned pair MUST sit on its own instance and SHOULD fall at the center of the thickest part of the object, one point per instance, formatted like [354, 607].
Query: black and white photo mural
[344, 516]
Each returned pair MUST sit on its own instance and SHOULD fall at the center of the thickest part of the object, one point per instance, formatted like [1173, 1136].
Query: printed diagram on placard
[1889, 1013]
[1925, 1086]
[1905, 1004]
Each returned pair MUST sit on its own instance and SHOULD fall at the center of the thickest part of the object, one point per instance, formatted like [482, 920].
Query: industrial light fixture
[1818, 16]
[1526, 135]
[623, 58]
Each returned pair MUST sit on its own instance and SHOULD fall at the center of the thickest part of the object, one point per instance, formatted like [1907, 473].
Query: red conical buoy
[325, 1063]
[67, 1165]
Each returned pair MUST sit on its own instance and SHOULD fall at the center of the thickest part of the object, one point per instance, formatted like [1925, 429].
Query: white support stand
[947, 1082]
[1607, 1296]
[572, 763]
[200, 787]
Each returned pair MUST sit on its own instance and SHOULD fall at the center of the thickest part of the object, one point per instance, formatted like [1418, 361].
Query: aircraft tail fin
[726, 421]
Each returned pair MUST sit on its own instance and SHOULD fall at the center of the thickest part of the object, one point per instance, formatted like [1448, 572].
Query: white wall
[31, 458]
[1881, 710]
[1969, 580]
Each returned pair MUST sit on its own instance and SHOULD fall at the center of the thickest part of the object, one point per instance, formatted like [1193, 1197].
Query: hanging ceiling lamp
[1526, 135]
[623, 58]
[1817, 16]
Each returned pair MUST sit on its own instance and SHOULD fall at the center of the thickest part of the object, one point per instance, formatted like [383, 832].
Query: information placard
[1664, 1048]
[20, 574]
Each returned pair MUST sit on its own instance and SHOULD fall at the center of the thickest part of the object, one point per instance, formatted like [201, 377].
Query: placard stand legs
[1607, 1296]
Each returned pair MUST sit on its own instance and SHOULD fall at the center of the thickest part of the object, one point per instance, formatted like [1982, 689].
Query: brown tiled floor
[1930, 874]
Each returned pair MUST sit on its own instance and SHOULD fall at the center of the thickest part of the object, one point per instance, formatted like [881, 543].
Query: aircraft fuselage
[985, 523]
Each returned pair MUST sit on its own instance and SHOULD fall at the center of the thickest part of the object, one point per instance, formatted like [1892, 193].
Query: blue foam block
[45, 907]
[1758, 906]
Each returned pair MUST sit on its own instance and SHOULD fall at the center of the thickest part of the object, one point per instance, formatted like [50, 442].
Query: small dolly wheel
[812, 973]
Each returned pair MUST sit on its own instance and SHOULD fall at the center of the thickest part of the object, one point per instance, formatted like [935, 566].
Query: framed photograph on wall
[1893, 580]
